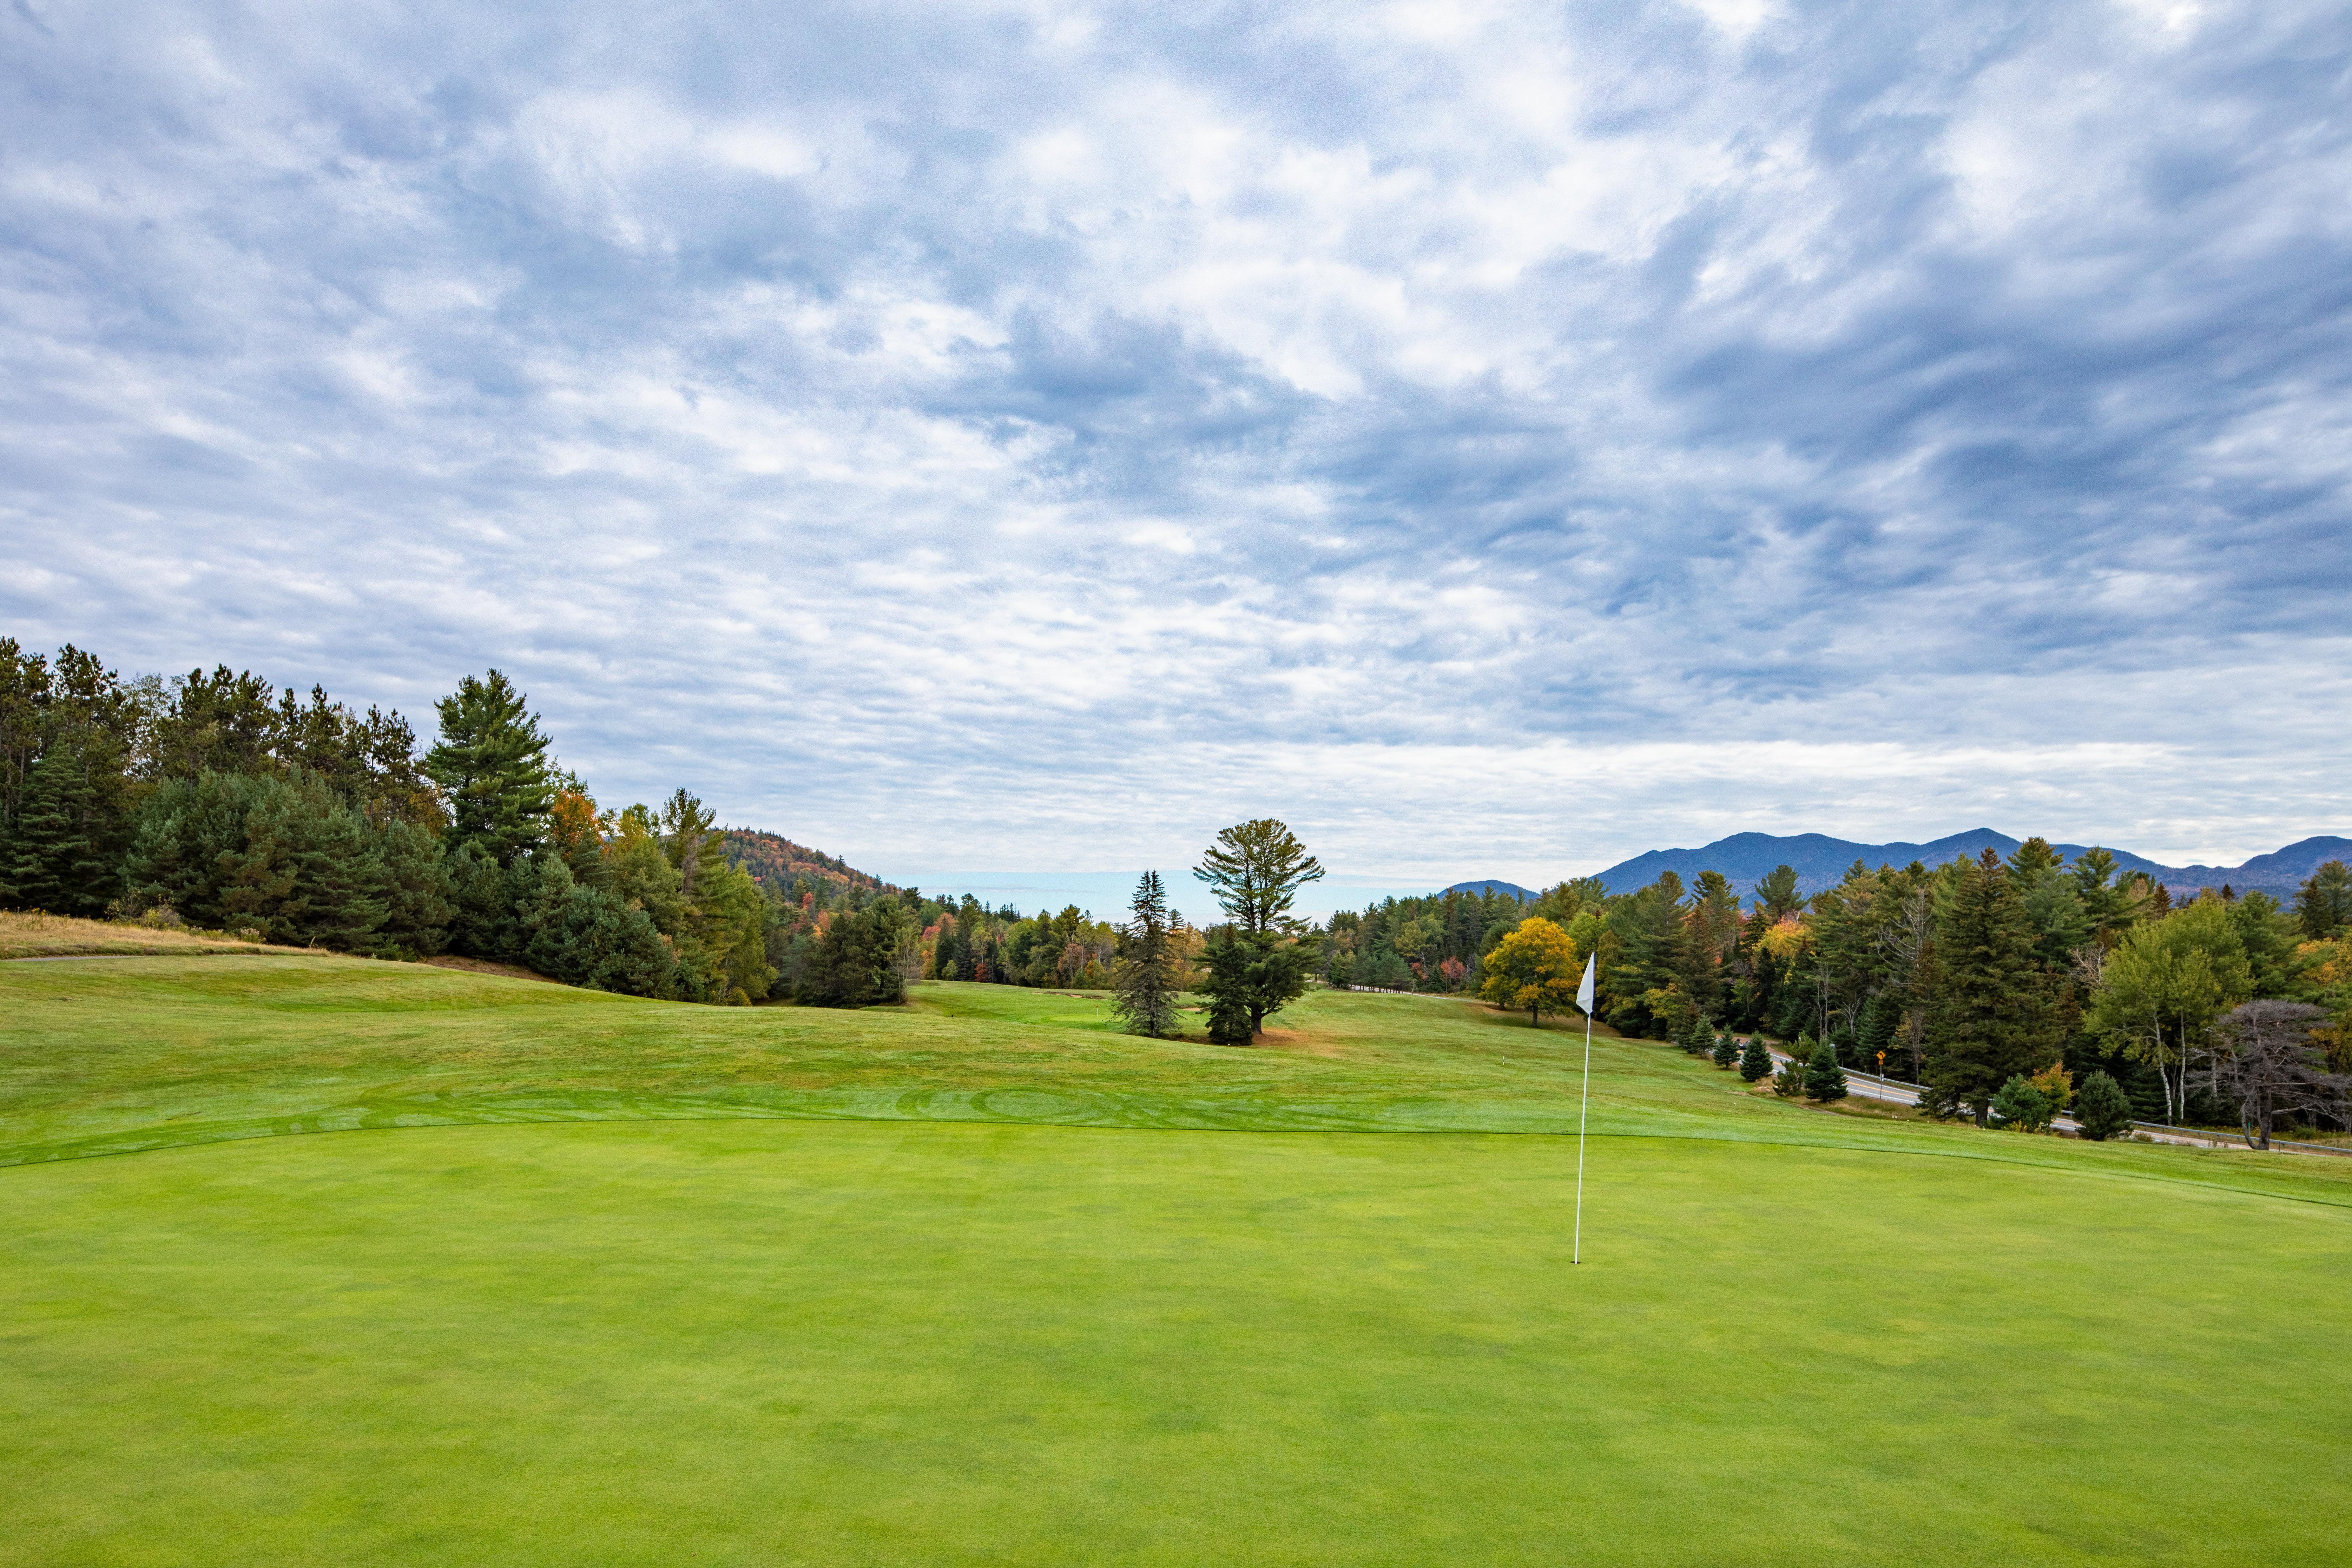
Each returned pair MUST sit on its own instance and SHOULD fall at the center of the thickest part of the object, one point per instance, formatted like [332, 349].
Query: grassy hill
[982, 1280]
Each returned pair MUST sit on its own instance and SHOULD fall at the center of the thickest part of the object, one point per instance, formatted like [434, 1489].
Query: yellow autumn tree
[1535, 968]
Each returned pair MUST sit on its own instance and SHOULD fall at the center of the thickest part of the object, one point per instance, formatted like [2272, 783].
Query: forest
[216, 800]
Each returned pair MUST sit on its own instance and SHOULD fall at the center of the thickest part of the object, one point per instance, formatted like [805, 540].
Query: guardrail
[2225, 1136]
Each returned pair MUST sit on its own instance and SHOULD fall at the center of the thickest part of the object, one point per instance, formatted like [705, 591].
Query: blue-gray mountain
[1820, 861]
[1495, 885]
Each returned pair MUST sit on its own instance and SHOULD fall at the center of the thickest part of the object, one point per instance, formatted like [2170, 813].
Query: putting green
[575, 1279]
[766, 1342]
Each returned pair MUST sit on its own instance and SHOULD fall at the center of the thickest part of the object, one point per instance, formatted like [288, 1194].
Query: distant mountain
[1494, 885]
[777, 862]
[1820, 861]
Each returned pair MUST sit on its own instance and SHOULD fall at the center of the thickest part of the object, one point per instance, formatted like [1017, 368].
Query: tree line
[1998, 984]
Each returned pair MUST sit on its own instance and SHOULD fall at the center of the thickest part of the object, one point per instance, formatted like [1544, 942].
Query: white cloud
[1500, 440]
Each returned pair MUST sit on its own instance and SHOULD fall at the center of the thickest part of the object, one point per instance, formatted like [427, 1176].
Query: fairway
[757, 1337]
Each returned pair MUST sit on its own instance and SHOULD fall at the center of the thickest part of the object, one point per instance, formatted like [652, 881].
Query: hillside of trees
[791, 870]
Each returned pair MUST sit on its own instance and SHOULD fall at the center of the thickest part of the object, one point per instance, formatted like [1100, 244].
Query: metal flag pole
[1584, 1104]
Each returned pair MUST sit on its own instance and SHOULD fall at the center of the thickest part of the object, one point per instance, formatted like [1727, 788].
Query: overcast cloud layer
[1496, 439]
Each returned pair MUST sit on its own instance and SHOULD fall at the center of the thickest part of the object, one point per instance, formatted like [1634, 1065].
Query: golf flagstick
[1584, 1000]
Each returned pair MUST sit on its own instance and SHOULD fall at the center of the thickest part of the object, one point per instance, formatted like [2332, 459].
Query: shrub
[2022, 1108]
[1789, 1083]
[2102, 1108]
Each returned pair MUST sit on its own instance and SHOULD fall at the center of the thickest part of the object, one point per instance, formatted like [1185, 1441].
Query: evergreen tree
[1988, 1024]
[491, 764]
[61, 849]
[1226, 984]
[855, 960]
[1756, 1060]
[2323, 905]
[2101, 1107]
[1144, 978]
[1790, 1082]
[417, 908]
[1255, 870]
[1882, 1022]
[281, 854]
[1641, 981]
[1726, 1050]
[690, 840]
[2018, 1104]
[585, 936]
[1824, 1079]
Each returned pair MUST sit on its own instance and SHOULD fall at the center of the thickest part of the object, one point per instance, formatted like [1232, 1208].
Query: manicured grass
[765, 1343]
[114, 1055]
[776, 1291]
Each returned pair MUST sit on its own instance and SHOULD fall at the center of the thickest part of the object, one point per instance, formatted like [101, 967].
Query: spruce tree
[1726, 1050]
[1143, 977]
[1756, 1060]
[2102, 1109]
[1824, 1079]
[1987, 1024]
[491, 764]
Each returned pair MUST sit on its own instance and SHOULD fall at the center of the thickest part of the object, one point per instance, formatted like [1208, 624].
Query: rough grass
[31, 934]
[794, 1316]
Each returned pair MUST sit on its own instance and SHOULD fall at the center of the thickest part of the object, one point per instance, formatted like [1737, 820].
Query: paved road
[1870, 1086]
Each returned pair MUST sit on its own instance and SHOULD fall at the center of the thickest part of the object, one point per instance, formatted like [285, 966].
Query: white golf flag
[1584, 992]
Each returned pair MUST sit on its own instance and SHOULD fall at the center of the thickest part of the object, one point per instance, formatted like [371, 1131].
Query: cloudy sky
[1497, 439]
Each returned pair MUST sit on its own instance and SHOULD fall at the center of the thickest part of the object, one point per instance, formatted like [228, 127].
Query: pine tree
[62, 845]
[2102, 1109]
[1143, 978]
[491, 764]
[1988, 1022]
[690, 840]
[1226, 984]
[2323, 905]
[1726, 1050]
[1824, 1079]
[1255, 870]
[1881, 1019]
[1756, 1060]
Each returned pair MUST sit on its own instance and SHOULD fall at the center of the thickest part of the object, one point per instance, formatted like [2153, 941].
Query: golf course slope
[385, 1263]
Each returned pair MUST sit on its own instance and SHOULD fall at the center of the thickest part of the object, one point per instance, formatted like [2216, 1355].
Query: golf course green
[566, 1278]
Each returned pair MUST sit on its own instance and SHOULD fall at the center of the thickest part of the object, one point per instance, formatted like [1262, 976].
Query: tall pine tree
[491, 764]
[1144, 977]
[1255, 870]
[62, 845]
[1988, 1023]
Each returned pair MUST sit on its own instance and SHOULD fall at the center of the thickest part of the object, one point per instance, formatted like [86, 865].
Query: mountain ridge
[1820, 861]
